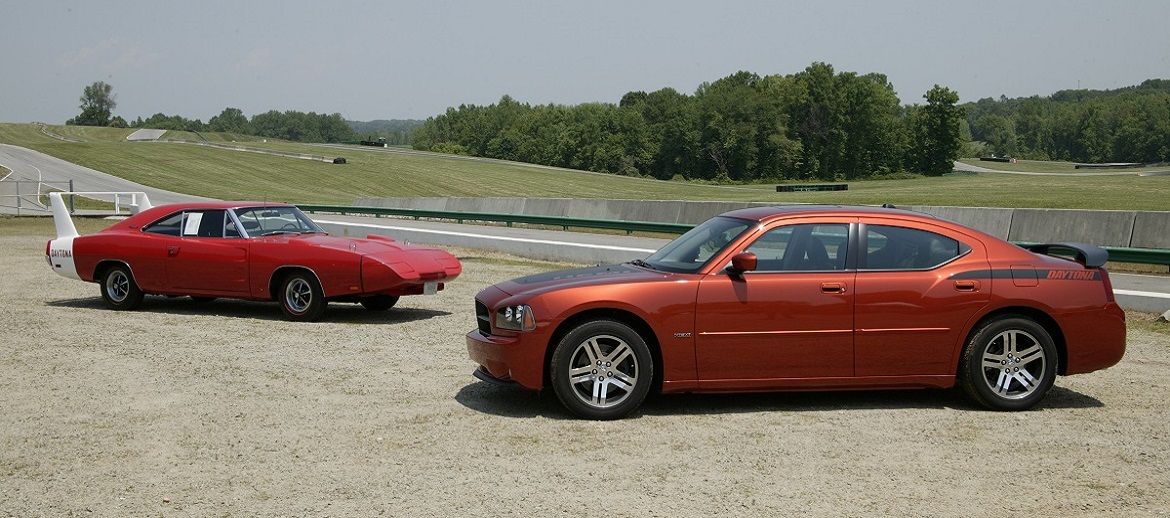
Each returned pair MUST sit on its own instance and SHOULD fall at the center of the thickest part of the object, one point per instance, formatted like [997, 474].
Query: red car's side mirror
[743, 262]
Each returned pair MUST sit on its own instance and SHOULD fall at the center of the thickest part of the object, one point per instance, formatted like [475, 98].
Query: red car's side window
[204, 223]
[192, 223]
[168, 226]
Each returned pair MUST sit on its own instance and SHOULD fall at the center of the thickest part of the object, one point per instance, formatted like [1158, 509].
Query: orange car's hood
[581, 277]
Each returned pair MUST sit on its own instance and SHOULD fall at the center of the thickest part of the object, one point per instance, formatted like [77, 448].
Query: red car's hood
[370, 245]
[407, 261]
[581, 277]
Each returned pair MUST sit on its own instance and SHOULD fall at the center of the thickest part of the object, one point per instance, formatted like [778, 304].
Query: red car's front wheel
[301, 297]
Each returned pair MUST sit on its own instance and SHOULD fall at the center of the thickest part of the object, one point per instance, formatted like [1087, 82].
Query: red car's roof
[218, 205]
[160, 210]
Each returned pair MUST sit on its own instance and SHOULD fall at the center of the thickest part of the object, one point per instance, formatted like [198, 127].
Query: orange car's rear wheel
[602, 370]
[1009, 364]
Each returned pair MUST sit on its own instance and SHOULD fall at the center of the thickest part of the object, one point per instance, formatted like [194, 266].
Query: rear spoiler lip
[1090, 255]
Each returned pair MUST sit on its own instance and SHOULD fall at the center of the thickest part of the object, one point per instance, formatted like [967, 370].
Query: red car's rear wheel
[379, 302]
[119, 289]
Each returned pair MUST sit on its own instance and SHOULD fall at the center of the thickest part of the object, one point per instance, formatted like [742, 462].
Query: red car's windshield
[266, 221]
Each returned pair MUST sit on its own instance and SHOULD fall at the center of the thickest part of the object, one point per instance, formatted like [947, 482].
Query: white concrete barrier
[1103, 227]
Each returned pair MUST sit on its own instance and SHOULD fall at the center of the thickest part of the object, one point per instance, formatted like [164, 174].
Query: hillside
[376, 172]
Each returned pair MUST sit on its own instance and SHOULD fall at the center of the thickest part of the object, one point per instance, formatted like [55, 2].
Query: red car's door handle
[172, 251]
[833, 287]
[966, 285]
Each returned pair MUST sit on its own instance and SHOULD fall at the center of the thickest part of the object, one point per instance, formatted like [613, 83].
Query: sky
[414, 59]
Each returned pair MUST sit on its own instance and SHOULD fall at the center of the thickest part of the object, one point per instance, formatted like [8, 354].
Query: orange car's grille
[483, 317]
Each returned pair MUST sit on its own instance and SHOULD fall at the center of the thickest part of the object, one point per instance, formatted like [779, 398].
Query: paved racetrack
[32, 166]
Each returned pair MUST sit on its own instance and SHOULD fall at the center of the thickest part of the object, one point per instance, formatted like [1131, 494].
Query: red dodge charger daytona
[243, 250]
[806, 298]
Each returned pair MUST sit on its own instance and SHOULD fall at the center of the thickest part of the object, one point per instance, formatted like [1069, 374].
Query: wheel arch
[635, 322]
[279, 274]
[1036, 315]
[102, 267]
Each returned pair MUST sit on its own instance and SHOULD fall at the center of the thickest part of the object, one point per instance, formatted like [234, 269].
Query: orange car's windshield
[691, 251]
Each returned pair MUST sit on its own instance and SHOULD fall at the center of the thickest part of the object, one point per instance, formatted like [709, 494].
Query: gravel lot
[182, 409]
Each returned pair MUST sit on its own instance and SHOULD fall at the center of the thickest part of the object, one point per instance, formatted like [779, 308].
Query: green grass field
[369, 172]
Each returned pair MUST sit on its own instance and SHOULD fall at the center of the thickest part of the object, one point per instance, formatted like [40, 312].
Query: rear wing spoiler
[1089, 255]
[135, 201]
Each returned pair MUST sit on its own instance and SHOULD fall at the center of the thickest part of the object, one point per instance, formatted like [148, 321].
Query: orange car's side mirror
[742, 262]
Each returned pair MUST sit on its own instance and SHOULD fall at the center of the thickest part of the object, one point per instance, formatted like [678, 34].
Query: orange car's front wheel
[602, 370]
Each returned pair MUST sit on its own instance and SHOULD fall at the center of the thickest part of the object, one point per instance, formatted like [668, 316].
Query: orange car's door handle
[833, 287]
[172, 251]
[966, 285]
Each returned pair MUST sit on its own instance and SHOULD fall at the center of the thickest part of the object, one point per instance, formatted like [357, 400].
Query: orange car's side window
[901, 248]
[806, 247]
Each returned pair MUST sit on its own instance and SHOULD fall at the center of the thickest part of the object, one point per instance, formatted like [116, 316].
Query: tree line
[289, 125]
[98, 103]
[1092, 126]
[814, 125]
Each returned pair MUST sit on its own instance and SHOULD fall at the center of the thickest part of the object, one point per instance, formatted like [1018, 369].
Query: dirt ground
[223, 409]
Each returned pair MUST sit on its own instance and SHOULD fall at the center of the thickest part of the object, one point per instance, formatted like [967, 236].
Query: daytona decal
[1051, 275]
[1070, 275]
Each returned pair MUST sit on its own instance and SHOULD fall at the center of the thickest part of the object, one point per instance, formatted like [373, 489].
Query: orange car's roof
[763, 214]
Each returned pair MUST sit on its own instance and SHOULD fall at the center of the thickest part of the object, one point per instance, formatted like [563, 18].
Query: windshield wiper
[643, 264]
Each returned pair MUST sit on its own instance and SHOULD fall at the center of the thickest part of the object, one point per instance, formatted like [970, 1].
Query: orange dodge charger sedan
[806, 298]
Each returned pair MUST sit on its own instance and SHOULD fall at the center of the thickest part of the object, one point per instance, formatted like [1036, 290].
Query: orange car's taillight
[1108, 284]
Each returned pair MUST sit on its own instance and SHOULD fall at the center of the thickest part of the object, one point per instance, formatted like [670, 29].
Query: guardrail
[529, 219]
[13, 198]
[1138, 255]
[1117, 254]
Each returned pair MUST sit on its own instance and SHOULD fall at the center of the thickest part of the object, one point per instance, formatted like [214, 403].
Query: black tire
[604, 352]
[301, 297]
[119, 289]
[1008, 364]
[379, 302]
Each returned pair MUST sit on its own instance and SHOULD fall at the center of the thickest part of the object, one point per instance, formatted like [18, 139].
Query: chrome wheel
[301, 297]
[117, 286]
[1013, 364]
[606, 371]
[1009, 364]
[119, 289]
[298, 295]
[602, 370]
